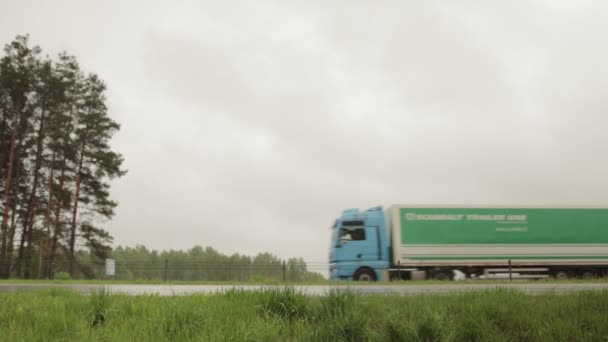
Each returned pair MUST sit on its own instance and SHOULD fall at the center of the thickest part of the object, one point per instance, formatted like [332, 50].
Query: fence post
[166, 267]
[284, 270]
[510, 275]
[399, 269]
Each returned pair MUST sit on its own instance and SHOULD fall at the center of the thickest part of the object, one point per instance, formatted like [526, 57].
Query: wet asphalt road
[173, 290]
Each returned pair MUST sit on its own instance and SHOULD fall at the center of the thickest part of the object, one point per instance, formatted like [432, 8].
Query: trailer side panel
[488, 236]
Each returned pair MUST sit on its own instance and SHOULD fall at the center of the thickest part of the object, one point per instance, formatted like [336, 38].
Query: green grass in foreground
[285, 314]
[278, 282]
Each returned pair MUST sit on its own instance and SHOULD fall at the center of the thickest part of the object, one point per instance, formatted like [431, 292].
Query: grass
[277, 282]
[284, 314]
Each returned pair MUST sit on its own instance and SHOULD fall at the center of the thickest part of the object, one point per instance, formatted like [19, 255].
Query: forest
[208, 264]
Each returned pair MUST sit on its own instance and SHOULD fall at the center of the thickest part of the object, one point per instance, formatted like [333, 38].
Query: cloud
[250, 126]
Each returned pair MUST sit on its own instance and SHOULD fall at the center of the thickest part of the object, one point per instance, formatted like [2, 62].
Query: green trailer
[563, 241]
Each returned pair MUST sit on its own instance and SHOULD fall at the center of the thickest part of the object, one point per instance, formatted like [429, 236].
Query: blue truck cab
[360, 245]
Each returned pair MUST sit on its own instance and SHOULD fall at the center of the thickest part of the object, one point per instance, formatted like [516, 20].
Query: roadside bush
[62, 276]
[182, 320]
[342, 317]
[99, 303]
[286, 303]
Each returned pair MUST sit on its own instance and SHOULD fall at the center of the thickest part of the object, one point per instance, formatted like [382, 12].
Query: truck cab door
[358, 244]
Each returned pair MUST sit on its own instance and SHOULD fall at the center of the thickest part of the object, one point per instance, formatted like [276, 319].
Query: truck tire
[587, 275]
[561, 275]
[441, 274]
[365, 274]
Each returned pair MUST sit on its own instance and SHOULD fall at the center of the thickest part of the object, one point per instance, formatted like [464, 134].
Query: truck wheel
[587, 275]
[441, 274]
[561, 275]
[365, 274]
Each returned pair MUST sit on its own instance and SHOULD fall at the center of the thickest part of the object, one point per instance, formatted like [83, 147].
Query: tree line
[207, 264]
[56, 162]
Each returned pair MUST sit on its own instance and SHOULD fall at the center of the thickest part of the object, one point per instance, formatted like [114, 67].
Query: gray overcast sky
[249, 125]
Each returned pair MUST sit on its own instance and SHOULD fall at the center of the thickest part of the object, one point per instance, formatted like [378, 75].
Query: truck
[409, 242]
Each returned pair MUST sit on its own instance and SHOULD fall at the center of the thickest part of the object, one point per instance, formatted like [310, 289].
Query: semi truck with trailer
[418, 242]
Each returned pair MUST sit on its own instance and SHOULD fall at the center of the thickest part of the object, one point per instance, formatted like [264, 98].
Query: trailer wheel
[561, 275]
[587, 275]
[395, 277]
[365, 274]
[441, 274]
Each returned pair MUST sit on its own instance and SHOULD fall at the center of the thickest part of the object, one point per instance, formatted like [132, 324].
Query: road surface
[171, 290]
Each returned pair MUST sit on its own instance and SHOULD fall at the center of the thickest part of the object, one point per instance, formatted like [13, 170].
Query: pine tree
[96, 163]
[72, 80]
[17, 70]
[48, 95]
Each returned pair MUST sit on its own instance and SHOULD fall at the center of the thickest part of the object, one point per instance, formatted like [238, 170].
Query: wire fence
[169, 270]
